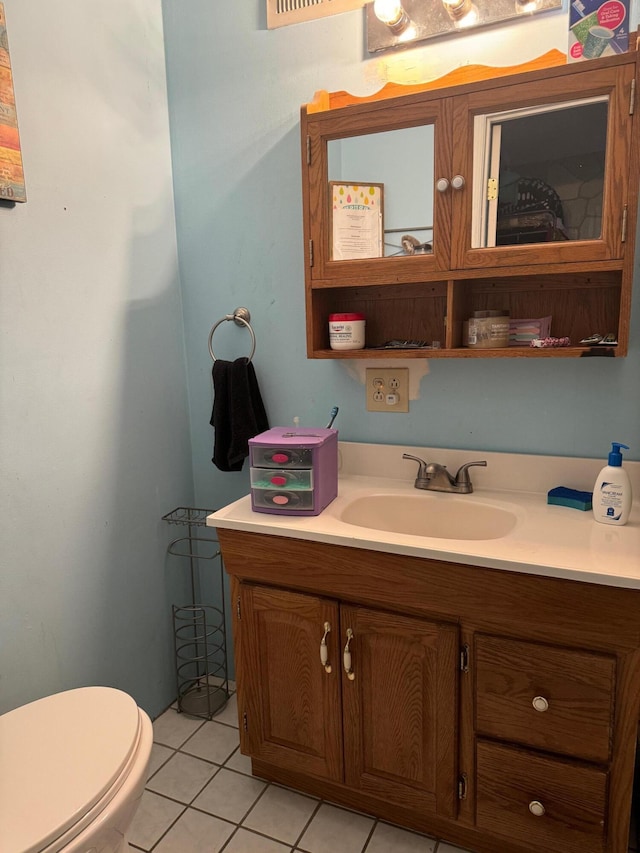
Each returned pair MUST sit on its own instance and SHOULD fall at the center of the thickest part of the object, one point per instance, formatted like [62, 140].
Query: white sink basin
[435, 516]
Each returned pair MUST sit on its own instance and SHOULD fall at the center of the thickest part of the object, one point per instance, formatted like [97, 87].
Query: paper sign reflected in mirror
[356, 220]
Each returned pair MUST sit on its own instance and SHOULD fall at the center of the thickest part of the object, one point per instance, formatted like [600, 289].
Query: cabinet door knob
[324, 652]
[442, 185]
[536, 808]
[347, 657]
[540, 703]
[457, 182]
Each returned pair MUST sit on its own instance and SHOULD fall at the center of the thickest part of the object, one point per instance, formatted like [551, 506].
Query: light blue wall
[235, 90]
[94, 437]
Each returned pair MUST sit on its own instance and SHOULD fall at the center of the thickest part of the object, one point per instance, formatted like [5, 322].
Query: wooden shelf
[463, 352]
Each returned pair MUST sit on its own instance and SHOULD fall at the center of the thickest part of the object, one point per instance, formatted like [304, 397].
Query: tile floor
[201, 798]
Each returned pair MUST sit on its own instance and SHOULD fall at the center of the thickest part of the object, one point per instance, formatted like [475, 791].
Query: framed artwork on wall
[12, 186]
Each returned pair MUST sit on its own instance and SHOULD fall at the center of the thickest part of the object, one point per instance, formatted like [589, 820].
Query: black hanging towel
[238, 412]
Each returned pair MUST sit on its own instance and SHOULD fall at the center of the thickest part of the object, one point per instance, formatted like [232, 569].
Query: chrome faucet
[436, 478]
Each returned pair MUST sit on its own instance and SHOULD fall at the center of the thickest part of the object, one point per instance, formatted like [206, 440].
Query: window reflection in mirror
[541, 174]
[403, 162]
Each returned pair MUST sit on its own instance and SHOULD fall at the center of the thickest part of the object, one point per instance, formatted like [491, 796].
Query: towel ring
[240, 317]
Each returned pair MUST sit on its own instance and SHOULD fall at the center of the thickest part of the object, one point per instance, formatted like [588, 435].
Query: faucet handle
[462, 476]
[422, 477]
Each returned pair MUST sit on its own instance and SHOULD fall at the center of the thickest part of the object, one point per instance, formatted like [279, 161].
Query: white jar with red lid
[346, 331]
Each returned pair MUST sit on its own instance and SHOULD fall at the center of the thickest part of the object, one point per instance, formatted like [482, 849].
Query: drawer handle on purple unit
[278, 480]
[280, 457]
[280, 500]
[324, 652]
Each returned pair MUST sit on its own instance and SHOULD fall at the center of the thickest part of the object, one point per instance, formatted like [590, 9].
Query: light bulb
[391, 13]
[388, 11]
[524, 7]
[469, 19]
[463, 13]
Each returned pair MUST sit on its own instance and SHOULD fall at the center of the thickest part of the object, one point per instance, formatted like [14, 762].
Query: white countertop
[553, 541]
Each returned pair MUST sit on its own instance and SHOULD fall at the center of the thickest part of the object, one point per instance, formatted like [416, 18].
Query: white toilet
[73, 767]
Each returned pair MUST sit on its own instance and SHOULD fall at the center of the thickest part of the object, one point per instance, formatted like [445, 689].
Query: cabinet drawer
[545, 803]
[558, 700]
[283, 499]
[270, 478]
[281, 457]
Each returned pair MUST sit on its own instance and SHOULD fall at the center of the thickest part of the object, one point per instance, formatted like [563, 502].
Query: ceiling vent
[280, 13]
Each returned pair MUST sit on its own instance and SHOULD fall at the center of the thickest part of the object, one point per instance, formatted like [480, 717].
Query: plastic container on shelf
[346, 331]
[488, 330]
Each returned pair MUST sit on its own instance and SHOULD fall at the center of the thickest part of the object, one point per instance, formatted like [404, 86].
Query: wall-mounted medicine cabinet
[515, 193]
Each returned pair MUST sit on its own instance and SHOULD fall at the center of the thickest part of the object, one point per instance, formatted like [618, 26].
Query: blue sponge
[562, 496]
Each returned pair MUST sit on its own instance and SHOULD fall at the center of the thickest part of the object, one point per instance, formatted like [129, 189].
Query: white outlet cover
[418, 367]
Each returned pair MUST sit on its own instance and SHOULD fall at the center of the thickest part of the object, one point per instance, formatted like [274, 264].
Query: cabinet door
[546, 167]
[384, 158]
[400, 709]
[291, 700]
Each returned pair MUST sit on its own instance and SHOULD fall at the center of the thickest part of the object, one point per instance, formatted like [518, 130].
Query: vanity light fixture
[402, 23]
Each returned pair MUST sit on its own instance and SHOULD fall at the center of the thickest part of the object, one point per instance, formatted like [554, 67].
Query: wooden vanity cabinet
[583, 282]
[381, 719]
[496, 710]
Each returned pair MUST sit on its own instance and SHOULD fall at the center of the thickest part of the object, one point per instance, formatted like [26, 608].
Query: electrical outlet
[387, 389]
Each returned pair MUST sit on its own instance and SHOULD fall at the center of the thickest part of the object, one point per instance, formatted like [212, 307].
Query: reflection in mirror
[543, 175]
[402, 161]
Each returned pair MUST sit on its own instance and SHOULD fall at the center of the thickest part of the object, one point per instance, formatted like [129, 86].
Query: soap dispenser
[612, 490]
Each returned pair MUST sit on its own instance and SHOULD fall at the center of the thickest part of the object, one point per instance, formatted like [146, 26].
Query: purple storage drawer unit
[294, 470]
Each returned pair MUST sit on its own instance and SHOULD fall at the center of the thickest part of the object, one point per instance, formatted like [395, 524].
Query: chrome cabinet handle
[536, 808]
[347, 657]
[324, 652]
[540, 703]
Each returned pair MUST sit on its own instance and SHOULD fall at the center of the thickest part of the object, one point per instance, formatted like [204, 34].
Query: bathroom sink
[435, 516]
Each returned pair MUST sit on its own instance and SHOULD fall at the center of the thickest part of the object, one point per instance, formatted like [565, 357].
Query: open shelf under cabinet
[580, 304]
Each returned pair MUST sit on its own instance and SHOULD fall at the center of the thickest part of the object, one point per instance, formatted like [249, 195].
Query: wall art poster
[11, 172]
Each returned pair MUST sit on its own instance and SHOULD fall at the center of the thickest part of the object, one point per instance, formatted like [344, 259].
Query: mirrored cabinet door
[545, 160]
[390, 216]
[540, 174]
[374, 206]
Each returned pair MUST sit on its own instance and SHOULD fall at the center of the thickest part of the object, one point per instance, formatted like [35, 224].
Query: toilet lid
[58, 757]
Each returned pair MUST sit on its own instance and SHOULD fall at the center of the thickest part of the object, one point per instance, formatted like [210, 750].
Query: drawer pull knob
[540, 703]
[324, 652]
[536, 808]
